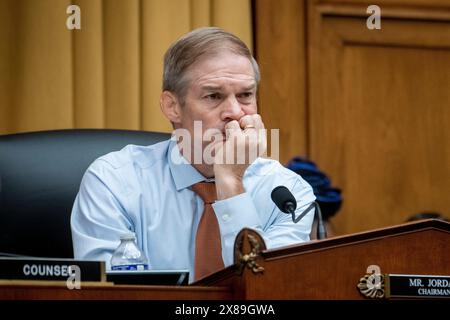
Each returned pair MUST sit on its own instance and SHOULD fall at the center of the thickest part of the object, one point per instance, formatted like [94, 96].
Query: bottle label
[137, 267]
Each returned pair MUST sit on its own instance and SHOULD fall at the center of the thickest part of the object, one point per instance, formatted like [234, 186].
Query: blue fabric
[146, 190]
[329, 198]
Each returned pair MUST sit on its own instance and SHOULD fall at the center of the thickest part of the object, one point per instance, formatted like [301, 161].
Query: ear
[170, 106]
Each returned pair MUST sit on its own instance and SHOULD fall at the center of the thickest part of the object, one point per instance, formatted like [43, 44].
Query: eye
[245, 95]
[213, 96]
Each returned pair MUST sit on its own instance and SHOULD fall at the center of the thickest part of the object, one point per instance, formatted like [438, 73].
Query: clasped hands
[245, 140]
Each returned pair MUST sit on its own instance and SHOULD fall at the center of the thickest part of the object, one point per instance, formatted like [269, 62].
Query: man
[158, 192]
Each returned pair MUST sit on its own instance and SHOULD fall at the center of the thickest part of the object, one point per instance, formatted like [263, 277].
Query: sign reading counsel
[50, 269]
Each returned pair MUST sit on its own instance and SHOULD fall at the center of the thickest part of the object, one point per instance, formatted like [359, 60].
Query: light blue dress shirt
[147, 191]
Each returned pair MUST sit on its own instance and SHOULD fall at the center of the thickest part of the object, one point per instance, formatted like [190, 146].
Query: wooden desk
[54, 290]
[325, 269]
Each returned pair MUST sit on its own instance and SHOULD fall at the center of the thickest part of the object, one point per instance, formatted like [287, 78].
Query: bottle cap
[128, 236]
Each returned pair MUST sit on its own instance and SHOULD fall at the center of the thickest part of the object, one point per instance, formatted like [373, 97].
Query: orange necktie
[208, 248]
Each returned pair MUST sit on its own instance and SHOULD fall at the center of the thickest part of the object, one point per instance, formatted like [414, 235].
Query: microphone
[286, 202]
[284, 199]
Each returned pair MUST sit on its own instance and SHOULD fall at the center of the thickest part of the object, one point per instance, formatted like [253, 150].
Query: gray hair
[191, 47]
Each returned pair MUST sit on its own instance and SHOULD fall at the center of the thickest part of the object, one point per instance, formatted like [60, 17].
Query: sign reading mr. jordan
[417, 286]
[377, 285]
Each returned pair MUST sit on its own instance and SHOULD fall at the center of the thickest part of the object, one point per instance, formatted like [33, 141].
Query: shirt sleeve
[238, 212]
[98, 218]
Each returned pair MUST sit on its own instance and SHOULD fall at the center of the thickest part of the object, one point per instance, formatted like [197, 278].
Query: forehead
[222, 69]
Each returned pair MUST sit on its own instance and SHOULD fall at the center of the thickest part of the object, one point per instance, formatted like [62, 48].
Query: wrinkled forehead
[222, 67]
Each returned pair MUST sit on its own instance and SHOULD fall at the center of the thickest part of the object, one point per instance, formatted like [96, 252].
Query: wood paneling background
[280, 49]
[372, 107]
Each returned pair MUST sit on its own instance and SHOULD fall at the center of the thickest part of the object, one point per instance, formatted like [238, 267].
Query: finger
[261, 134]
[262, 142]
[246, 121]
[257, 121]
[231, 128]
[251, 121]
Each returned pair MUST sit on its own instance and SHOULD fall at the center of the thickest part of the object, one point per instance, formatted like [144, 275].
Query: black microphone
[284, 199]
[286, 202]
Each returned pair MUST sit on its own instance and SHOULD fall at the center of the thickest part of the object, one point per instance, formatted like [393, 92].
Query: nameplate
[417, 286]
[51, 269]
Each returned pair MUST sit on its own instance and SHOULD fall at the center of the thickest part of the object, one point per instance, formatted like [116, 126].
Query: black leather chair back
[40, 174]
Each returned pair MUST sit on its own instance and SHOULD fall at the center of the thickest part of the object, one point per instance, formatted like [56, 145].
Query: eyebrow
[211, 88]
[219, 88]
[250, 87]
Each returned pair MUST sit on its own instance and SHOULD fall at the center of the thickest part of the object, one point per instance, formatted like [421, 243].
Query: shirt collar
[183, 173]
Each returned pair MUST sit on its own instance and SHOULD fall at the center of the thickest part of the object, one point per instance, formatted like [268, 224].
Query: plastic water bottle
[128, 256]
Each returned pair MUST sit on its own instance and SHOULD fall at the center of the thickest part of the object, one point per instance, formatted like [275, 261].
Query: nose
[232, 109]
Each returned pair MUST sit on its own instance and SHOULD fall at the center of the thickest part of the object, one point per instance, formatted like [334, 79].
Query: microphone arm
[286, 202]
[321, 230]
[291, 210]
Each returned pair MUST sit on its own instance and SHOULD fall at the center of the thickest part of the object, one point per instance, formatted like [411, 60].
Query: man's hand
[245, 141]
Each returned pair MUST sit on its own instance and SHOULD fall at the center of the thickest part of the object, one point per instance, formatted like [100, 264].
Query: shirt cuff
[236, 213]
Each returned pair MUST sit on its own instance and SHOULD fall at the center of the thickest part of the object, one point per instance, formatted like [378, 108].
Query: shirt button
[226, 217]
